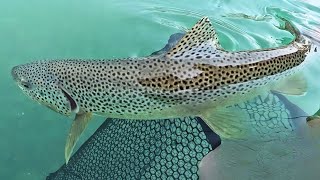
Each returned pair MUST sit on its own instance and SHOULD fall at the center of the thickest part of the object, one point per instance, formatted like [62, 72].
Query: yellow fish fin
[78, 126]
[292, 85]
[230, 122]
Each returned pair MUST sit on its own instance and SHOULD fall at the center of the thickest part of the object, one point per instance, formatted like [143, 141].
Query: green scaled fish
[197, 77]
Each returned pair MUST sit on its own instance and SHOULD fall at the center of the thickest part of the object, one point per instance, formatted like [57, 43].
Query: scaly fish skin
[142, 88]
[192, 79]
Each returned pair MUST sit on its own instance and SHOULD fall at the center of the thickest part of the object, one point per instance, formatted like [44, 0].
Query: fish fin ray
[202, 37]
[230, 122]
[290, 27]
[78, 126]
[292, 85]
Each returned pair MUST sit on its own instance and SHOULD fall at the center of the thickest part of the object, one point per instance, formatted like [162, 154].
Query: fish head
[39, 81]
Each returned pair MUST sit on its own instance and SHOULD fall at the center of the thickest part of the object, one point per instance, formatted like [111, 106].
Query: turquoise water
[33, 137]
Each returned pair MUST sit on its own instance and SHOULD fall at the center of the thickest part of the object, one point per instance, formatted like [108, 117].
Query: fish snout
[14, 73]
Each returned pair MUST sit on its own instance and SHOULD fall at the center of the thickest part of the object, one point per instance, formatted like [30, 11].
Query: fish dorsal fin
[201, 39]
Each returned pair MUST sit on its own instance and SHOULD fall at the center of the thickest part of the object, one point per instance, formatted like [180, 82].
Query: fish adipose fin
[78, 126]
[230, 122]
[292, 85]
[201, 38]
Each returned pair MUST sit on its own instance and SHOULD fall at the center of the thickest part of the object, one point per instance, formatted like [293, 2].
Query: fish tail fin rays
[292, 85]
[290, 27]
[229, 123]
[302, 39]
[287, 25]
[78, 126]
[202, 36]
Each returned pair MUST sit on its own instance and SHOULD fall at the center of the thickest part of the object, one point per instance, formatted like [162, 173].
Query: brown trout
[197, 77]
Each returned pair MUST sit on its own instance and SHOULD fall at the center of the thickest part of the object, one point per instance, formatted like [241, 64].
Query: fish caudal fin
[287, 25]
[78, 126]
[292, 85]
[202, 37]
[230, 123]
[290, 27]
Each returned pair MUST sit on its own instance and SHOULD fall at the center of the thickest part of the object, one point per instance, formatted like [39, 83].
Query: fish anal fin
[292, 85]
[230, 123]
[202, 36]
[78, 126]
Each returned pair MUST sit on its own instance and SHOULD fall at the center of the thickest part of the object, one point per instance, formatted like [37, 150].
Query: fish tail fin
[303, 41]
[230, 122]
[287, 25]
[290, 27]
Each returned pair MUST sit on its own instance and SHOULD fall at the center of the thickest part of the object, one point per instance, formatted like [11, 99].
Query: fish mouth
[73, 104]
[14, 74]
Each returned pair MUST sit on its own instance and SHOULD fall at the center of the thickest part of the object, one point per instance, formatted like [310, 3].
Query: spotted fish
[196, 77]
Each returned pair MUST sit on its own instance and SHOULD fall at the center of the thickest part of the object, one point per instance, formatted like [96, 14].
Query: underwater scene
[185, 89]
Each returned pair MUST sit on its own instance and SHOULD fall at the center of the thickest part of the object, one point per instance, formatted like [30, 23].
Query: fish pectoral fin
[202, 37]
[229, 123]
[78, 126]
[292, 85]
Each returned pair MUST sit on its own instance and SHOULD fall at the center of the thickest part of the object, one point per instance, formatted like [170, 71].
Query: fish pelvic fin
[228, 123]
[292, 85]
[78, 126]
[202, 36]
